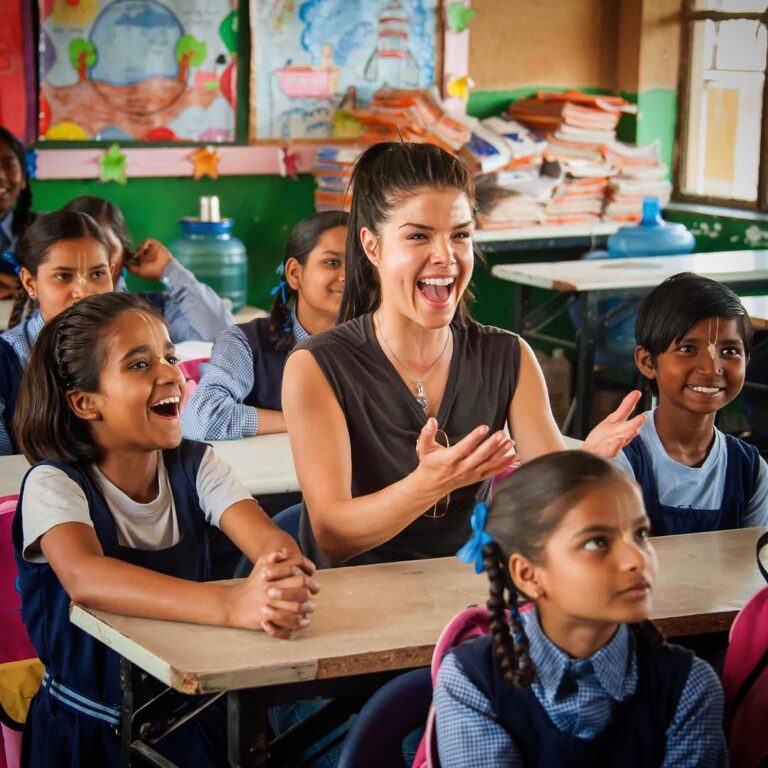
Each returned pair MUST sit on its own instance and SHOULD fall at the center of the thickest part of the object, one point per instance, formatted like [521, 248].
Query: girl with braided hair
[239, 394]
[572, 673]
[61, 258]
[116, 514]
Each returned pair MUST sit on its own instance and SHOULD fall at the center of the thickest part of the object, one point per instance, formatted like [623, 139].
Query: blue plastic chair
[288, 520]
[394, 712]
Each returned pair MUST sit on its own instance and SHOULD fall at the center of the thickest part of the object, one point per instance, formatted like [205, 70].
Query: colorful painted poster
[17, 70]
[148, 70]
[307, 53]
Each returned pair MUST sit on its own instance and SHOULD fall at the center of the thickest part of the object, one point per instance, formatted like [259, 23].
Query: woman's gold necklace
[419, 382]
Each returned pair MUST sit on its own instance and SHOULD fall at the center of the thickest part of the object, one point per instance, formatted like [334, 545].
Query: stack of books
[639, 173]
[333, 171]
[393, 114]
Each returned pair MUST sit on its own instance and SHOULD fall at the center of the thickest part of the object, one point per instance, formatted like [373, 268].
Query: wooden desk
[757, 307]
[264, 464]
[243, 316]
[545, 237]
[704, 580]
[742, 270]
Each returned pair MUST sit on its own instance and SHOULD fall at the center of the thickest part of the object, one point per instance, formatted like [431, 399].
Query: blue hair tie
[282, 286]
[10, 259]
[472, 551]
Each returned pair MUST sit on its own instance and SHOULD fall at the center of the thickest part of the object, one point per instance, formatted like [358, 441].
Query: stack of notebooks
[393, 114]
[639, 173]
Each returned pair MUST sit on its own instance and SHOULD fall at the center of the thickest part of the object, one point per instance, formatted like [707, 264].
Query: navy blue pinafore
[636, 734]
[10, 381]
[740, 481]
[268, 366]
[75, 716]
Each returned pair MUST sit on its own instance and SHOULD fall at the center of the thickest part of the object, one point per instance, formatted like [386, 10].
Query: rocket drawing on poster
[307, 54]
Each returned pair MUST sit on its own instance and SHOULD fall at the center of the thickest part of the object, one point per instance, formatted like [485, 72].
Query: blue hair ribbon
[472, 551]
[11, 260]
[282, 286]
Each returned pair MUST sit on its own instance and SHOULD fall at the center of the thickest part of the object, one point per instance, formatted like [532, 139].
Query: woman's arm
[344, 526]
[108, 584]
[530, 417]
[534, 429]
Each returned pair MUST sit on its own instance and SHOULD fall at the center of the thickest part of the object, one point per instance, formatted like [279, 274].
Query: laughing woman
[396, 416]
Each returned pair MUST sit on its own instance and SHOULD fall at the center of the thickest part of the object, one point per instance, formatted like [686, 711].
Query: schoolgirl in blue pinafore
[74, 718]
[572, 672]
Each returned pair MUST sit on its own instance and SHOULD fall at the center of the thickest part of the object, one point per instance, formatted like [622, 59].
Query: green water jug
[208, 249]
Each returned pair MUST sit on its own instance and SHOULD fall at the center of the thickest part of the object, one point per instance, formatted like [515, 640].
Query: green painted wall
[264, 208]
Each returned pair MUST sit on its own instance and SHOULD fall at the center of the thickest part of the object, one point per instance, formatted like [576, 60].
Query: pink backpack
[745, 679]
[20, 670]
[469, 623]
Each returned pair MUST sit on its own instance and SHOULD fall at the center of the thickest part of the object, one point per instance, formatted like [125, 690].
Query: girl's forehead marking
[157, 341]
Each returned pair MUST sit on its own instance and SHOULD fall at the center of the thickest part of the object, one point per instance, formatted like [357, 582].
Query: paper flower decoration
[206, 160]
[459, 16]
[112, 165]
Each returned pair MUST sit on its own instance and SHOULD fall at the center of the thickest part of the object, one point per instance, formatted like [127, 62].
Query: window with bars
[722, 147]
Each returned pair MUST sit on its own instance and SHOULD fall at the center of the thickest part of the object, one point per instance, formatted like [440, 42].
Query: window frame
[689, 17]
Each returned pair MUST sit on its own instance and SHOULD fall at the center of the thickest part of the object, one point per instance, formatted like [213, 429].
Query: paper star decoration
[206, 160]
[112, 165]
[459, 87]
[459, 16]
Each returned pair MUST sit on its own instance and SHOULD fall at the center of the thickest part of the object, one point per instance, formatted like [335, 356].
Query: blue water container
[208, 249]
[652, 236]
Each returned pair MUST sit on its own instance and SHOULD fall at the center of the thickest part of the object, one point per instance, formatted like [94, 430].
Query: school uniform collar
[610, 664]
[33, 325]
[300, 333]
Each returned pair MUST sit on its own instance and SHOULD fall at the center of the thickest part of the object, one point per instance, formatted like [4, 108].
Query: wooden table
[386, 618]
[633, 278]
[243, 316]
[264, 465]
[757, 307]
[545, 237]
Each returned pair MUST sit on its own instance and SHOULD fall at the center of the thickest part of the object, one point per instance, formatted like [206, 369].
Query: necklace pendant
[420, 398]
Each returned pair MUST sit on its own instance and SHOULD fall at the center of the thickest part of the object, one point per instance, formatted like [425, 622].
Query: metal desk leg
[585, 361]
[247, 729]
[522, 298]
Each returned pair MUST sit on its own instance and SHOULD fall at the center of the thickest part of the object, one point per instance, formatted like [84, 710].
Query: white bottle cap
[215, 214]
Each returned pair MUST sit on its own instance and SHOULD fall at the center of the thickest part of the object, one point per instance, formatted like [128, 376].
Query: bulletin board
[306, 54]
[138, 70]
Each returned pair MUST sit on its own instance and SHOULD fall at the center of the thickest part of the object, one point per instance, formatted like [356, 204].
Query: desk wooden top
[264, 464]
[545, 232]
[388, 617]
[757, 307]
[243, 316]
[622, 274]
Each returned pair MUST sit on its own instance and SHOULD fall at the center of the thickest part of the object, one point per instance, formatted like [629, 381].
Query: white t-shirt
[52, 498]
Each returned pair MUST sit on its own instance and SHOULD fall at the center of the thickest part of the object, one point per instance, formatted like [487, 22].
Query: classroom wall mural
[306, 54]
[148, 70]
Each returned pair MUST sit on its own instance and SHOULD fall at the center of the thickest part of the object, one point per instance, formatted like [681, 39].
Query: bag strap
[762, 542]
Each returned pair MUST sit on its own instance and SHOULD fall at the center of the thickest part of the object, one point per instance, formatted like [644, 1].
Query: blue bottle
[208, 249]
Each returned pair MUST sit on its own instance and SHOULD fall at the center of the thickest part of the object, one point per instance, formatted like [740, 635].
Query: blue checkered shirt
[193, 310]
[21, 338]
[216, 410]
[578, 696]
